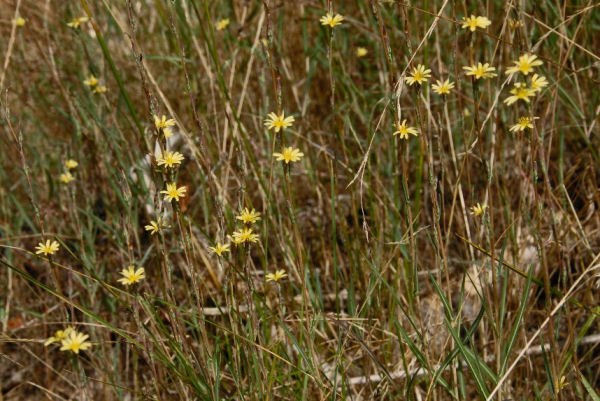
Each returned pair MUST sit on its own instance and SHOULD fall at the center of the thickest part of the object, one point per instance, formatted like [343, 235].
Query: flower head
[71, 164]
[480, 71]
[519, 92]
[404, 130]
[66, 177]
[361, 52]
[219, 248]
[168, 132]
[278, 121]
[58, 336]
[243, 235]
[131, 275]
[19, 21]
[170, 159]
[248, 217]
[155, 226]
[100, 89]
[524, 64]
[48, 248]
[523, 124]
[331, 20]
[478, 209]
[538, 82]
[163, 122]
[91, 81]
[442, 87]
[75, 341]
[278, 275]
[474, 22]
[289, 154]
[75, 22]
[418, 75]
[172, 192]
[222, 24]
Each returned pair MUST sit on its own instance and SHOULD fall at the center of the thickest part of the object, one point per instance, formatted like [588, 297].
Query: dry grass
[394, 289]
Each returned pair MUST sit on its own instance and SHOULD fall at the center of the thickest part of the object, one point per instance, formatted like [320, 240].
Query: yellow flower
[91, 81]
[170, 159]
[289, 154]
[524, 64]
[474, 22]
[478, 209]
[155, 226]
[243, 235]
[404, 130]
[219, 248]
[222, 24]
[278, 121]
[19, 21]
[523, 124]
[75, 341]
[248, 217]
[76, 21]
[480, 71]
[131, 275]
[100, 89]
[66, 177]
[538, 82]
[278, 275]
[172, 192]
[168, 132]
[58, 336]
[361, 52]
[163, 122]
[514, 24]
[331, 20]
[71, 164]
[519, 92]
[49, 248]
[442, 87]
[419, 75]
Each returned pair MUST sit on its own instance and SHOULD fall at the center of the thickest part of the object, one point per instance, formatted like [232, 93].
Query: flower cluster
[70, 340]
[67, 176]
[93, 83]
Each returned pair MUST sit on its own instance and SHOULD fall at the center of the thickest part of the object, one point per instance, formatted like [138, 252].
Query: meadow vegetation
[299, 200]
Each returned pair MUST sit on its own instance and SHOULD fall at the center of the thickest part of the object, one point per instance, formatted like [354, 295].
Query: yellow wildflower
[519, 92]
[71, 164]
[361, 52]
[278, 121]
[289, 154]
[222, 24]
[538, 82]
[474, 22]
[66, 177]
[170, 159]
[100, 89]
[478, 209]
[243, 235]
[48, 248]
[219, 248]
[75, 341]
[523, 124]
[75, 22]
[58, 336]
[248, 217]
[19, 21]
[155, 226]
[480, 71]
[419, 75]
[442, 87]
[404, 130]
[131, 275]
[524, 64]
[331, 20]
[278, 275]
[91, 81]
[163, 122]
[172, 192]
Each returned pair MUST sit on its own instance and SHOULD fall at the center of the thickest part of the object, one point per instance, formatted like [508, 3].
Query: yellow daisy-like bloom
[278, 121]
[525, 64]
[289, 154]
[66, 177]
[404, 130]
[100, 89]
[523, 124]
[222, 24]
[361, 52]
[538, 82]
[91, 81]
[168, 132]
[71, 164]
[331, 20]
[75, 342]
[519, 92]
[19, 21]
[163, 122]
[172, 192]
[442, 87]
[48, 248]
[480, 71]
[75, 22]
[243, 235]
[219, 248]
[58, 336]
[418, 75]
[478, 209]
[474, 22]
[170, 159]
[278, 275]
[155, 226]
[248, 217]
[131, 275]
